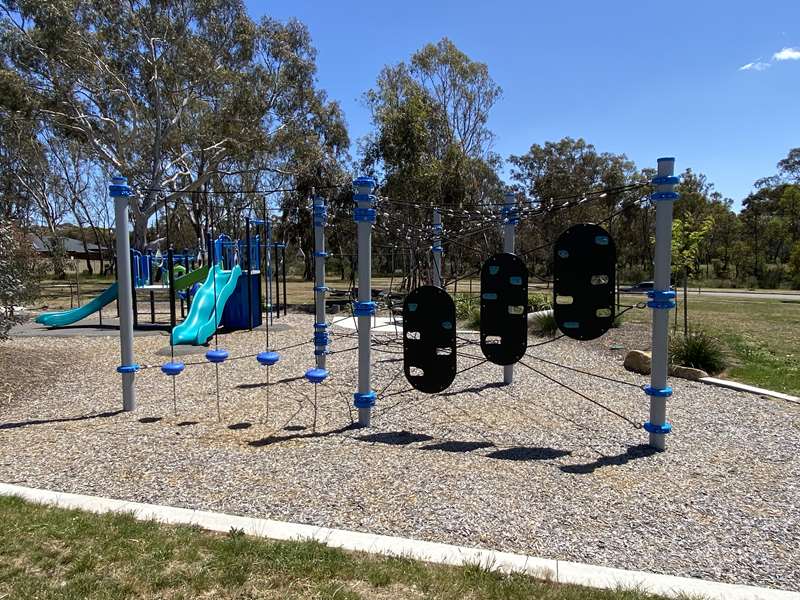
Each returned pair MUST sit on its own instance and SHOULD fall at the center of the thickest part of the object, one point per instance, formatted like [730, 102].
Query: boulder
[638, 361]
[687, 372]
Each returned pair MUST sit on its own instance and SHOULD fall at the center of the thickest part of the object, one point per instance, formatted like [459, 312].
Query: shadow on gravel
[394, 438]
[476, 389]
[242, 425]
[20, 424]
[187, 423]
[460, 447]
[276, 439]
[259, 384]
[149, 420]
[632, 453]
[295, 428]
[523, 453]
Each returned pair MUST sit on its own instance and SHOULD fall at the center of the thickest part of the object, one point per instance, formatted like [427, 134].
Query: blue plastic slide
[200, 323]
[68, 317]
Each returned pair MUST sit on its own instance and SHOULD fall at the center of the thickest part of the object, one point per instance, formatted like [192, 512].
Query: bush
[544, 324]
[698, 350]
[20, 273]
[539, 301]
[466, 304]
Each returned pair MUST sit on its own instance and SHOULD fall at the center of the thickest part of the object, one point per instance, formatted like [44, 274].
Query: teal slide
[68, 317]
[200, 323]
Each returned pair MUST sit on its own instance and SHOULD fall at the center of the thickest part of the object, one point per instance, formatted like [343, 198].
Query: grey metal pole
[320, 326]
[364, 216]
[662, 299]
[120, 192]
[510, 220]
[437, 248]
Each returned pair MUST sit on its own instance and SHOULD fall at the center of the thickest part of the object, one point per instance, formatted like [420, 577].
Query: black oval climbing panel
[429, 339]
[504, 309]
[584, 265]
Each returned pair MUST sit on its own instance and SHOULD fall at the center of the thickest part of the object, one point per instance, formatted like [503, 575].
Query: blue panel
[234, 315]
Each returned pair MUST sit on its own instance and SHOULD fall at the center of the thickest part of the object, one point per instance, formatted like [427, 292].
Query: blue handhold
[316, 375]
[412, 306]
[437, 249]
[267, 359]
[658, 392]
[659, 305]
[320, 254]
[489, 296]
[563, 254]
[662, 429]
[320, 326]
[515, 280]
[216, 356]
[364, 215]
[601, 240]
[494, 270]
[571, 325]
[365, 399]
[128, 368]
[320, 338]
[119, 187]
[447, 325]
[364, 181]
[172, 368]
[321, 288]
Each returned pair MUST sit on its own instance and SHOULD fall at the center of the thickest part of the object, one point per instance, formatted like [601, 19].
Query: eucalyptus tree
[169, 93]
[431, 144]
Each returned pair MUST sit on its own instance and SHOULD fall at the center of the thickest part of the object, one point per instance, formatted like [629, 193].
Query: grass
[50, 553]
[758, 336]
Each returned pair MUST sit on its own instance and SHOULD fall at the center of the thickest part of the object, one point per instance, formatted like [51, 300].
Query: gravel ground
[531, 467]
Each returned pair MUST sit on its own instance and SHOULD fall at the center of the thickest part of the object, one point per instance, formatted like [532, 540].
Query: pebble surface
[530, 467]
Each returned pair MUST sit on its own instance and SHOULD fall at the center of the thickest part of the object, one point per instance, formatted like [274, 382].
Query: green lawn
[49, 553]
[760, 336]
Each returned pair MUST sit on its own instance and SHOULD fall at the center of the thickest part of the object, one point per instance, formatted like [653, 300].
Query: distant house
[72, 247]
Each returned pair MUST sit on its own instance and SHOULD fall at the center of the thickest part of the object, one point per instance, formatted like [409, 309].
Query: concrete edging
[743, 387]
[556, 570]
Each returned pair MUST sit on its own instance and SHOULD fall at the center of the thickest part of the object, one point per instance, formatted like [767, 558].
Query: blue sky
[642, 78]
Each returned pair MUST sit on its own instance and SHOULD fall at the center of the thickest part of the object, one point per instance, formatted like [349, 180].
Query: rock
[638, 361]
[687, 372]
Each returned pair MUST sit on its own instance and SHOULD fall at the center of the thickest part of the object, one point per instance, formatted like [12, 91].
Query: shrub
[20, 273]
[698, 350]
[466, 304]
[539, 301]
[544, 324]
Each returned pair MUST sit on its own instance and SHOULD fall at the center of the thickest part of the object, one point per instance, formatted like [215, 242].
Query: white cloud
[755, 66]
[787, 54]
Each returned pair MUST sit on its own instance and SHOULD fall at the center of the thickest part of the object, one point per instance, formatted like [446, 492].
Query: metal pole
[277, 283]
[662, 299]
[510, 220]
[120, 192]
[320, 326]
[283, 274]
[171, 274]
[249, 274]
[268, 268]
[364, 216]
[437, 248]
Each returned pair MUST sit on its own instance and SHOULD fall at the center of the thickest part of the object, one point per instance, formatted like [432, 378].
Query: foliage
[545, 324]
[698, 350]
[19, 274]
[539, 301]
[190, 94]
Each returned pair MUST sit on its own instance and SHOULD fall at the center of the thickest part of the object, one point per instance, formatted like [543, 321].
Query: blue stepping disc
[268, 359]
[216, 356]
[172, 368]
[316, 375]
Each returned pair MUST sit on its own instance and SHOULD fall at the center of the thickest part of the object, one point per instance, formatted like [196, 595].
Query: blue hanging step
[316, 375]
[172, 368]
[217, 356]
[268, 359]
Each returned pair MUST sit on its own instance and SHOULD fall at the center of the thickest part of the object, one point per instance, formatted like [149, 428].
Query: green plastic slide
[68, 317]
[203, 320]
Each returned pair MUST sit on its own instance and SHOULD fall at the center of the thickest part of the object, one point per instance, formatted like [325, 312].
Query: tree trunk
[139, 231]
